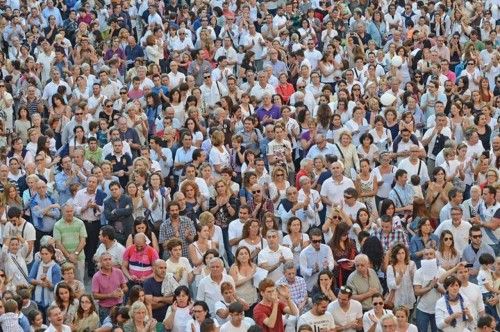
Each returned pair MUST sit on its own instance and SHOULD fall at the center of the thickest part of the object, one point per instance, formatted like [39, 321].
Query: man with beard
[318, 318]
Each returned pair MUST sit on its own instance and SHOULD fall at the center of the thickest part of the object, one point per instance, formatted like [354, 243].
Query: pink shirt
[107, 283]
[140, 263]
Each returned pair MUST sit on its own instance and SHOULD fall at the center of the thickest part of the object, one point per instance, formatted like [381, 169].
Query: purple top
[274, 112]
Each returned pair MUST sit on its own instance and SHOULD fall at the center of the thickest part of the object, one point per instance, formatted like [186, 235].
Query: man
[487, 209]
[315, 258]
[175, 76]
[88, 207]
[364, 282]
[160, 155]
[56, 319]
[177, 226]
[306, 169]
[70, 236]
[346, 311]
[401, 145]
[318, 318]
[402, 193]
[109, 245]
[199, 68]
[262, 88]
[251, 135]
[109, 89]
[311, 204]
[268, 313]
[138, 260]
[332, 190]
[108, 285]
[237, 321]
[209, 287]
[429, 292]
[279, 150]
[122, 163]
[190, 172]
[296, 285]
[256, 43]
[486, 324]
[153, 291]
[235, 228]
[68, 176]
[435, 138]
[470, 290]
[455, 198]
[321, 148]
[51, 88]
[184, 154]
[414, 166]
[212, 92]
[114, 134]
[458, 227]
[389, 236]
[312, 54]
[350, 204]
[18, 227]
[130, 135]
[389, 323]
[474, 250]
[274, 256]
[45, 211]
[118, 210]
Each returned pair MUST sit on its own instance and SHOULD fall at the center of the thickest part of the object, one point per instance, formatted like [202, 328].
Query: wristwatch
[77, 253]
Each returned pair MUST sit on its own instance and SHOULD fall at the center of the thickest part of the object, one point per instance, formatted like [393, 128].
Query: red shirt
[300, 174]
[261, 312]
[285, 91]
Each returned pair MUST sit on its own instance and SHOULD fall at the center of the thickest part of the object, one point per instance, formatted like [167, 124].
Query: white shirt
[367, 322]
[212, 94]
[209, 291]
[342, 317]
[176, 78]
[26, 231]
[314, 56]
[271, 257]
[442, 314]
[116, 251]
[324, 322]
[309, 257]
[412, 169]
[235, 230]
[335, 191]
[473, 293]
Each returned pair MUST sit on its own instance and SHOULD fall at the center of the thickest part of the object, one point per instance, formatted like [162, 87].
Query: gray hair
[303, 162]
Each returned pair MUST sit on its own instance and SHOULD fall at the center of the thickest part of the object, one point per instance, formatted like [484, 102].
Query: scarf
[450, 311]
[44, 296]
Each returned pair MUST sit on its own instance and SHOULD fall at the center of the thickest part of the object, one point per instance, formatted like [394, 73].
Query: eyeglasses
[78, 113]
[123, 92]
[255, 191]
[347, 197]
[448, 239]
[478, 236]
[281, 174]
[109, 105]
[346, 289]
[378, 303]
[470, 64]
[205, 77]
[39, 159]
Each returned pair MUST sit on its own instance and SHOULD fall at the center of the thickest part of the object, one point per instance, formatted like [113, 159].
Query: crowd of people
[226, 165]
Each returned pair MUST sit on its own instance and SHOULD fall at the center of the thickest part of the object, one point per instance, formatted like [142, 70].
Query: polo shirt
[361, 285]
[107, 283]
[140, 263]
[69, 234]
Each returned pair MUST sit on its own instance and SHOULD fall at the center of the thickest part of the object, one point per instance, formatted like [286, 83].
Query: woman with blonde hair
[278, 185]
[348, 154]
[137, 321]
[195, 201]
[219, 156]
[215, 231]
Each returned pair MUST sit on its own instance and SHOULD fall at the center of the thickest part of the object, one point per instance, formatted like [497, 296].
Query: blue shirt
[472, 257]
[402, 196]
[417, 244]
[133, 53]
[43, 222]
[63, 182]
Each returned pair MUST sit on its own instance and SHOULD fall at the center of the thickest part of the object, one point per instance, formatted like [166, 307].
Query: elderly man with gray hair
[321, 148]
[209, 287]
[364, 282]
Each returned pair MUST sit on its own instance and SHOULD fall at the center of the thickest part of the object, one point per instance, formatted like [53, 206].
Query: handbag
[389, 299]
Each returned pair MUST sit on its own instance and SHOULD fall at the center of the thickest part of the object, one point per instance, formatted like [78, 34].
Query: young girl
[407, 122]
[36, 321]
[86, 318]
[102, 136]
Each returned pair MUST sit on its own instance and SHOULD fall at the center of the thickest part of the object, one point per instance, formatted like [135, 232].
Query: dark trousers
[92, 228]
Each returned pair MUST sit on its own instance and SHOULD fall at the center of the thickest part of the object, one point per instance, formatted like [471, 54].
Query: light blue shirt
[183, 156]
[405, 195]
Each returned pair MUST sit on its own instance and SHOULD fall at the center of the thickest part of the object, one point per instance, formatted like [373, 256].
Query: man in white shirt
[262, 87]
[56, 319]
[471, 290]
[255, 42]
[318, 318]
[413, 165]
[235, 228]
[332, 190]
[237, 321]
[274, 256]
[315, 258]
[312, 54]
[109, 245]
[212, 92]
[347, 313]
[458, 227]
[435, 137]
[17, 226]
[209, 287]
[175, 77]
[228, 51]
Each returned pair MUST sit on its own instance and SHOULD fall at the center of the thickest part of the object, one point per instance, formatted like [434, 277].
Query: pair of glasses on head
[346, 289]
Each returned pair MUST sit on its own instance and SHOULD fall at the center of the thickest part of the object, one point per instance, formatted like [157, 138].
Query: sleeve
[287, 253]
[441, 314]
[391, 278]
[305, 271]
[200, 294]
[83, 230]
[57, 233]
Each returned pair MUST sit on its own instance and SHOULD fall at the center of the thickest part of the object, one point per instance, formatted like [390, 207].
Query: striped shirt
[69, 234]
[140, 263]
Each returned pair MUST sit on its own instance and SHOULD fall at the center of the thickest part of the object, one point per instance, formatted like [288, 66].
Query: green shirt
[95, 157]
[69, 234]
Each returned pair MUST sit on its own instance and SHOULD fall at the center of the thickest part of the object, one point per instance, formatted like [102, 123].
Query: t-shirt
[324, 322]
[484, 277]
[270, 257]
[153, 287]
[342, 317]
[261, 312]
[140, 263]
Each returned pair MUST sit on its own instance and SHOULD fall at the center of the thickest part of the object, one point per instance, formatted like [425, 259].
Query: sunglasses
[109, 105]
[470, 64]
[281, 174]
[205, 77]
[335, 217]
[316, 241]
[123, 92]
[448, 239]
[477, 236]
[378, 303]
[255, 191]
[78, 113]
[345, 289]
[347, 197]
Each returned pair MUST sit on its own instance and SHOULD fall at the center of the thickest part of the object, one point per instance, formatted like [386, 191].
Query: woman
[327, 65]
[153, 110]
[358, 125]
[66, 301]
[12, 198]
[178, 314]
[296, 240]
[79, 141]
[325, 285]
[23, 124]
[86, 318]
[447, 256]
[400, 273]
[138, 322]
[139, 203]
[141, 226]
[223, 207]
[453, 309]
[207, 175]
[196, 203]
[136, 293]
[367, 149]
[269, 223]
[362, 223]
[387, 207]
[245, 194]
[278, 186]
[195, 131]
[251, 238]
[284, 89]
[437, 193]
[402, 314]
[367, 186]
[343, 248]
[44, 274]
[219, 156]
[425, 238]
[391, 122]
[371, 318]
[348, 154]
[202, 243]
[137, 119]
[483, 130]
[200, 313]
[157, 197]
[332, 221]
[243, 270]
[377, 29]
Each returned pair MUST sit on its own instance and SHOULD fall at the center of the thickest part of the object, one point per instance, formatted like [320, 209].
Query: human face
[378, 304]
[85, 303]
[243, 256]
[216, 268]
[453, 289]
[140, 228]
[476, 238]
[63, 294]
[139, 315]
[388, 326]
[69, 275]
[401, 255]
[316, 242]
[343, 299]
[272, 239]
[45, 255]
[269, 293]
[56, 317]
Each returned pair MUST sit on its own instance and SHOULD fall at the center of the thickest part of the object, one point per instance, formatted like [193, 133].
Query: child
[68, 274]
[229, 296]
[486, 281]
[102, 134]
[10, 319]
[93, 129]
[36, 320]
[28, 304]
[52, 140]
[417, 189]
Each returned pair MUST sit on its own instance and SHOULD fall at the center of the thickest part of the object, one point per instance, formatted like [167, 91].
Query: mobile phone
[469, 265]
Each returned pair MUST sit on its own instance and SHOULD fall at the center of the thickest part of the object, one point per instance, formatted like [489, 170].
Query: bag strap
[437, 196]
[341, 153]
[399, 197]
[419, 167]
[14, 259]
